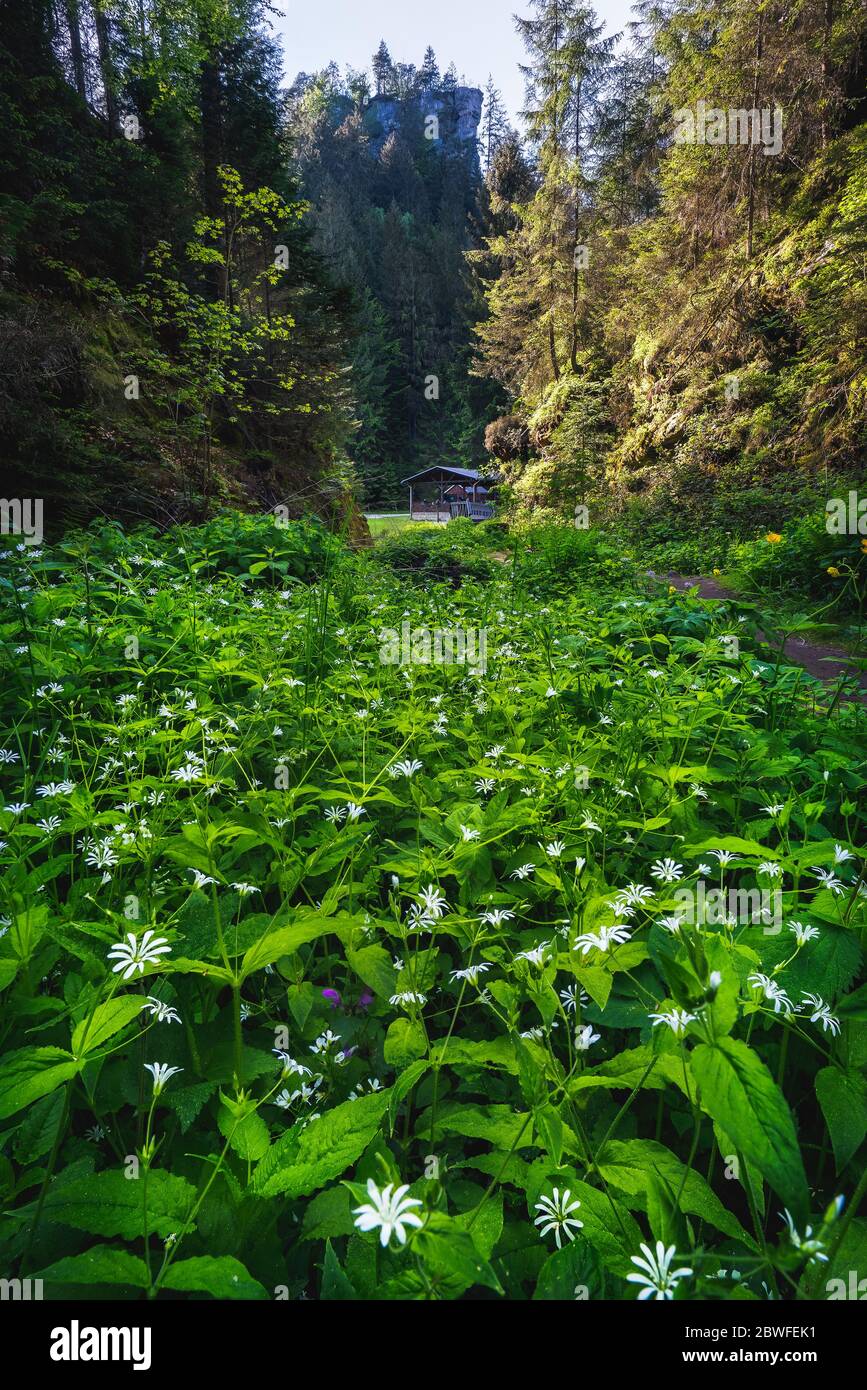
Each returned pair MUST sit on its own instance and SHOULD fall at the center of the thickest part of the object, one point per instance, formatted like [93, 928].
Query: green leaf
[498, 1124]
[734, 844]
[306, 1159]
[329, 1214]
[8, 971]
[33, 1072]
[36, 1131]
[550, 1128]
[110, 1204]
[284, 942]
[108, 1019]
[372, 964]
[335, 1285]
[597, 983]
[631, 1068]
[738, 1091]
[484, 1223]
[244, 1128]
[493, 1052]
[628, 1164]
[222, 1276]
[102, 1264]
[853, 1006]
[567, 1273]
[404, 1084]
[843, 1098]
[447, 1250]
[405, 1042]
[613, 1233]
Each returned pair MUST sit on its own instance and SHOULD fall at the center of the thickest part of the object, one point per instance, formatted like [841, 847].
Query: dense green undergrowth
[567, 937]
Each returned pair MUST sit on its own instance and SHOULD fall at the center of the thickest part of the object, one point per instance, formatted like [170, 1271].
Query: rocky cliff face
[458, 112]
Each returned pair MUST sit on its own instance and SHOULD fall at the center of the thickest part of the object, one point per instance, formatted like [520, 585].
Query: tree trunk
[751, 208]
[209, 110]
[106, 65]
[75, 50]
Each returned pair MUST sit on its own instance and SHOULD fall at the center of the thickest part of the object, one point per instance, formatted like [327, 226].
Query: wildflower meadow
[332, 977]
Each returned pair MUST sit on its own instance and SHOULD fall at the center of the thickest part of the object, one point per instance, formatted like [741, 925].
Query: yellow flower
[864, 546]
[774, 537]
[833, 570]
[672, 589]
[717, 572]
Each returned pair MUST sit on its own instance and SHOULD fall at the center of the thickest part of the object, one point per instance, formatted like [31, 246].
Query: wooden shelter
[440, 493]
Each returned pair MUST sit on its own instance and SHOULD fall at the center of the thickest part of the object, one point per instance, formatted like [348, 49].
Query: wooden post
[410, 501]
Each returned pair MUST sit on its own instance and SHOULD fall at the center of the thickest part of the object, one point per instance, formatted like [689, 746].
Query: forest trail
[824, 661]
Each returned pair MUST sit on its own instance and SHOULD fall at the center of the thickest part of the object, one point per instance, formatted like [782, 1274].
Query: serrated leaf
[102, 1264]
[32, 1073]
[306, 1159]
[110, 1204]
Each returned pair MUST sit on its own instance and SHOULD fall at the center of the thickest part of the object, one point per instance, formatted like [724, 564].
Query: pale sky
[478, 36]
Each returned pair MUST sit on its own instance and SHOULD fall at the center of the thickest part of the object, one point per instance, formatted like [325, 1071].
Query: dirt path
[827, 663]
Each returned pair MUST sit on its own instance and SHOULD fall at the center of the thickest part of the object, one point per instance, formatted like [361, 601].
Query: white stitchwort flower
[406, 768]
[201, 880]
[585, 1038]
[468, 834]
[554, 850]
[472, 972]
[389, 1210]
[724, 857]
[820, 1012]
[572, 996]
[659, 1279]
[496, 916]
[667, 871]
[536, 955]
[603, 939]
[803, 933]
[162, 1012]
[828, 879]
[434, 902]
[773, 992]
[161, 1071]
[132, 955]
[556, 1215]
[672, 924]
[770, 869]
[676, 1019]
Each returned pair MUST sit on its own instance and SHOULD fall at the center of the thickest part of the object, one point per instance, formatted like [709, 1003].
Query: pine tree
[383, 71]
[495, 126]
[429, 73]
